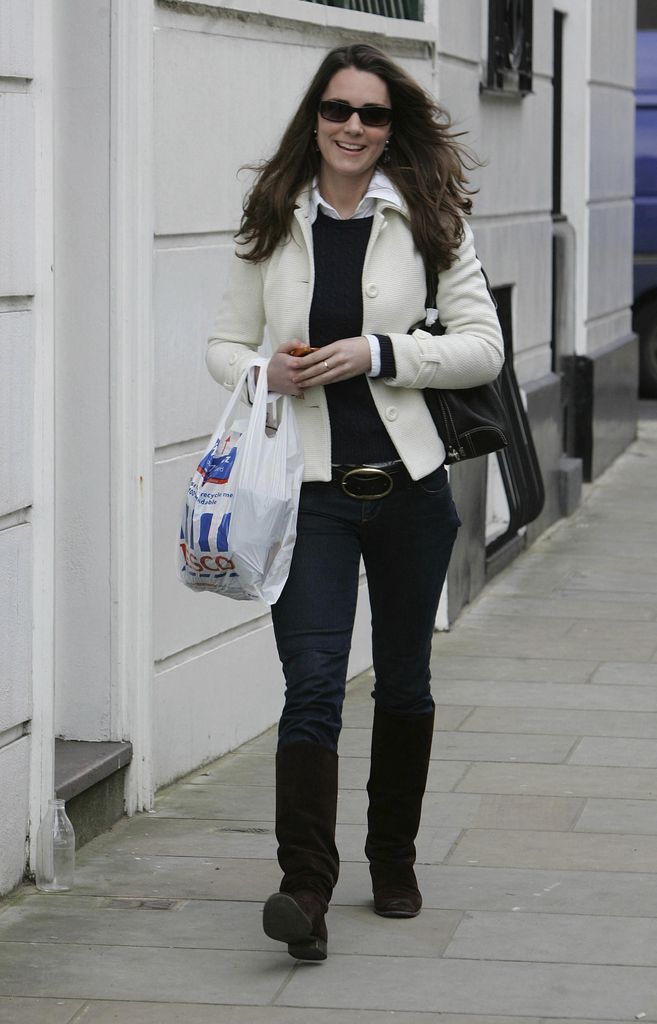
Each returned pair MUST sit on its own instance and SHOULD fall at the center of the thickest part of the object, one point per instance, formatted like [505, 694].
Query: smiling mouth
[350, 147]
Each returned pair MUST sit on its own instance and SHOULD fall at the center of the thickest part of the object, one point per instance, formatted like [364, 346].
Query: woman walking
[366, 189]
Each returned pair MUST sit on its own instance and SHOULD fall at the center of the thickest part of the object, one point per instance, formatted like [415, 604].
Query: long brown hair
[425, 163]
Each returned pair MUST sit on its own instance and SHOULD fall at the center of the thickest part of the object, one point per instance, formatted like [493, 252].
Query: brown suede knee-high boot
[401, 747]
[306, 802]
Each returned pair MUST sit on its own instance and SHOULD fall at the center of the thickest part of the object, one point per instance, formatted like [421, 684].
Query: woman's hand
[341, 360]
[283, 368]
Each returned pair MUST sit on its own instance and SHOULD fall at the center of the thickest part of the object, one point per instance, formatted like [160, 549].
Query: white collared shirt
[380, 187]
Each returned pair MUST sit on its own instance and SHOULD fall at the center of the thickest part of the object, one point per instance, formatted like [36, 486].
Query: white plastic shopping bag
[239, 517]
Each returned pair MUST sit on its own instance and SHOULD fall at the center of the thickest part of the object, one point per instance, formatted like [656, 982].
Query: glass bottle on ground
[55, 860]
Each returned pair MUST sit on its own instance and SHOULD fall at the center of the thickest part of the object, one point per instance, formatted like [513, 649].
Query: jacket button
[391, 412]
[371, 290]
[232, 359]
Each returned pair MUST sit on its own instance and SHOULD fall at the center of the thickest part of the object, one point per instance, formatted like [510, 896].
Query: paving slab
[119, 874]
[457, 986]
[477, 887]
[622, 673]
[637, 641]
[558, 850]
[586, 697]
[550, 813]
[561, 780]
[205, 924]
[187, 837]
[557, 938]
[241, 768]
[567, 722]
[360, 717]
[138, 972]
[615, 751]
[353, 771]
[633, 817]
[251, 803]
[486, 668]
[38, 1011]
[557, 606]
[465, 746]
[185, 1013]
[590, 540]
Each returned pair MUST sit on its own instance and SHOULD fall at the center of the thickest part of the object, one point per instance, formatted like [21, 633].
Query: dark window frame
[510, 43]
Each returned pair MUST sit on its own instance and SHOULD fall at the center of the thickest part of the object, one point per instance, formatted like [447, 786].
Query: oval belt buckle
[367, 471]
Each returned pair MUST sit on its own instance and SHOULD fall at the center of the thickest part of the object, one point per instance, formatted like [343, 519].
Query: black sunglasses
[372, 116]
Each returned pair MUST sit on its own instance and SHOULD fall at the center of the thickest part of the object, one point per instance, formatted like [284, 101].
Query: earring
[315, 140]
[385, 157]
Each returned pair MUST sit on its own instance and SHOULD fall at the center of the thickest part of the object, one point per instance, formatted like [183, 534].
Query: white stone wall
[598, 172]
[16, 412]
[610, 171]
[82, 167]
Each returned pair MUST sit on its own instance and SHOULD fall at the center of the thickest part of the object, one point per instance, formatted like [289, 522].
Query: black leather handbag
[470, 421]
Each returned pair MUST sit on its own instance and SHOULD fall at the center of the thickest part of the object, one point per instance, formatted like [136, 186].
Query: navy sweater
[357, 434]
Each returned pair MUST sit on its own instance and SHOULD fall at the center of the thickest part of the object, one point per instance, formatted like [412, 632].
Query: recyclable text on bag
[239, 516]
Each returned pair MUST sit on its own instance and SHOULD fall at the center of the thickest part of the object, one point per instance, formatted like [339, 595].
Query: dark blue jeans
[405, 540]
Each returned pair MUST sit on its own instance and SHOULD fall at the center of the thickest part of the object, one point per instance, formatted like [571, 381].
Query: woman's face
[351, 149]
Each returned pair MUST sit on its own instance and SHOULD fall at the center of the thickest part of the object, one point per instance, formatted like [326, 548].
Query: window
[509, 68]
[411, 10]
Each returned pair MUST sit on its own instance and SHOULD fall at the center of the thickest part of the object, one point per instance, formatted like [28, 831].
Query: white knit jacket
[279, 293]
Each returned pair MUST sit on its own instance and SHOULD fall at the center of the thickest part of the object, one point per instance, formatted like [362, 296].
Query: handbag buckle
[367, 471]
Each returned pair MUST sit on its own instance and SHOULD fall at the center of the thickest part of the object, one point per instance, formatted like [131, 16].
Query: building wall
[17, 343]
[81, 186]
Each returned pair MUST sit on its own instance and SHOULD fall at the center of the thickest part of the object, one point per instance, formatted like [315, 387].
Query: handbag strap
[431, 277]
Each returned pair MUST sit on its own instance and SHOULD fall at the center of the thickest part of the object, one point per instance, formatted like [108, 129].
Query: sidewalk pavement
[538, 852]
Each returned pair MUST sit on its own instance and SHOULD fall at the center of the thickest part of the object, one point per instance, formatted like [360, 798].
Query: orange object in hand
[302, 350]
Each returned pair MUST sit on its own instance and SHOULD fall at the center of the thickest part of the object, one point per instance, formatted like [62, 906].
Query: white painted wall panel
[458, 92]
[16, 194]
[612, 143]
[16, 41]
[207, 90]
[212, 703]
[16, 391]
[460, 28]
[518, 175]
[613, 25]
[15, 627]
[520, 253]
[188, 286]
[510, 138]
[183, 618]
[14, 772]
[542, 37]
[610, 267]
[82, 367]
[608, 330]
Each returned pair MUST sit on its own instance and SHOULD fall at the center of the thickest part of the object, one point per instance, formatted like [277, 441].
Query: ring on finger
[326, 365]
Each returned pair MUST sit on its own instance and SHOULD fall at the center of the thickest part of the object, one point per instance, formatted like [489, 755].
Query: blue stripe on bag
[222, 532]
[204, 535]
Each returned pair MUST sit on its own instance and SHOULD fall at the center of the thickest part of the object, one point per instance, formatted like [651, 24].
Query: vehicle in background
[645, 210]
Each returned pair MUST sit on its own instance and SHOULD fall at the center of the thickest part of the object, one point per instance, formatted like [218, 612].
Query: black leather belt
[369, 483]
